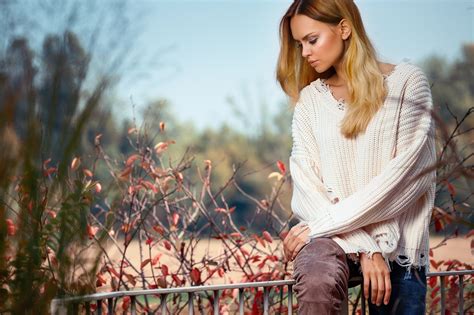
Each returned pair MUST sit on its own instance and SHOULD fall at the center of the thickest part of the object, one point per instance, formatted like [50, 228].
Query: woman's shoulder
[408, 70]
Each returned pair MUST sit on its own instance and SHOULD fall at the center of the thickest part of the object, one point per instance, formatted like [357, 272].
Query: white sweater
[374, 193]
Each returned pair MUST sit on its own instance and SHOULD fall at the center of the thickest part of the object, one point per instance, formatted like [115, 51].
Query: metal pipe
[216, 302]
[461, 294]
[134, 306]
[290, 299]
[241, 301]
[443, 294]
[265, 300]
[163, 304]
[190, 303]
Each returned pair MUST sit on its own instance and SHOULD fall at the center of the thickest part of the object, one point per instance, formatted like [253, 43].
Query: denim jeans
[322, 271]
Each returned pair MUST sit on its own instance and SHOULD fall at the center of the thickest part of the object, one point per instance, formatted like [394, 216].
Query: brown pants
[321, 271]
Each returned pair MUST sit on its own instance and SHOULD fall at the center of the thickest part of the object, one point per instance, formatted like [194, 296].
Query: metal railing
[86, 300]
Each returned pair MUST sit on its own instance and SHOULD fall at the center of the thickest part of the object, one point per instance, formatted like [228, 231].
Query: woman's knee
[321, 272]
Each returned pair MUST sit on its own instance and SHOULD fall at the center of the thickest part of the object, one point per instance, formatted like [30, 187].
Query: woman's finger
[381, 287]
[373, 287]
[295, 237]
[388, 288]
[302, 241]
[366, 285]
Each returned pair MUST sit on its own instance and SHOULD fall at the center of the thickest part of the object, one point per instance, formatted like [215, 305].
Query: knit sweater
[375, 192]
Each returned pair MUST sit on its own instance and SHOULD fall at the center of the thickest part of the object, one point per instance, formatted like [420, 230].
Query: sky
[215, 50]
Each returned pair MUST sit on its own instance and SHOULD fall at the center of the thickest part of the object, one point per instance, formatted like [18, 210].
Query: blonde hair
[365, 81]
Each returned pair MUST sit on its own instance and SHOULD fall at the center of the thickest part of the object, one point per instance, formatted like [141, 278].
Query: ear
[345, 29]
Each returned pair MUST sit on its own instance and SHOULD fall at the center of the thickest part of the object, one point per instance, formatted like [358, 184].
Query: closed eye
[311, 41]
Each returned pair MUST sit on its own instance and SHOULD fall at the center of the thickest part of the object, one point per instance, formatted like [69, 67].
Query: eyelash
[311, 41]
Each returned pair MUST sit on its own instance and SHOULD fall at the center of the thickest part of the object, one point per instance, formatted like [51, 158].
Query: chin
[319, 69]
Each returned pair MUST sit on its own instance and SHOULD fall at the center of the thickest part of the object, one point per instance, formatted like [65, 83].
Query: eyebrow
[306, 36]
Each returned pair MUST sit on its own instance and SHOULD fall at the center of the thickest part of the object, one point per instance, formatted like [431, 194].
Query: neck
[339, 77]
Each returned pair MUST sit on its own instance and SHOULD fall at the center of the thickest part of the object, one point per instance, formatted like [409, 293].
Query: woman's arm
[403, 181]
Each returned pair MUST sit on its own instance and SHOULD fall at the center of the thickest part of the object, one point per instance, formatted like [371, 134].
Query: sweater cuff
[323, 222]
[387, 235]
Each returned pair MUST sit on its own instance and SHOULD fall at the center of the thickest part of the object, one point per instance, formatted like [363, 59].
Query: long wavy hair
[365, 81]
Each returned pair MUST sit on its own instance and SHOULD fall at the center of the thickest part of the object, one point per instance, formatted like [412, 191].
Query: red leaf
[281, 167]
[91, 231]
[87, 172]
[11, 228]
[164, 270]
[220, 271]
[144, 263]
[432, 282]
[112, 271]
[431, 253]
[75, 163]
[436, 264]
[98, 188]
[127, 171]
[438, 225]
[132, 159]
[451, 189]
[159, 230]
[435, 301]
[162, 282]
[161, 147]
[125, 303]
[149, 186]
[175, 218]
[257, 303]
[196, 276]
[434, 291]
[156, 259]
[167, 244]
[100, 280]
[177, 280]
[267, 236]
[149, 241]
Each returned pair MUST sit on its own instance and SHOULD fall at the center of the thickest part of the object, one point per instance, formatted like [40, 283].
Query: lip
[313, 63]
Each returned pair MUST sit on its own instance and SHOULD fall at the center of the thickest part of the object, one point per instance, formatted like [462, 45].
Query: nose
[305, 51]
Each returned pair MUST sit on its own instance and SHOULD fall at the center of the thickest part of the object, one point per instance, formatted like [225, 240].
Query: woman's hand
[377, 275]
[296, 238]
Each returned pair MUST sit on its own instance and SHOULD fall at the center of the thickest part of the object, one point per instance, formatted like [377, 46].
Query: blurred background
[106, 106]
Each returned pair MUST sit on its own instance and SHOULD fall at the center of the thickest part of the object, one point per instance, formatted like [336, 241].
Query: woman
[361, 163]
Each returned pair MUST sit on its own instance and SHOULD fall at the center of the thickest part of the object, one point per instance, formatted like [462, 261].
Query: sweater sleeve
[402, 181]
[309, 192]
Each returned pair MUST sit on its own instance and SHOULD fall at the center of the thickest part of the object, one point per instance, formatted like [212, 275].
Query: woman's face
[321, 44]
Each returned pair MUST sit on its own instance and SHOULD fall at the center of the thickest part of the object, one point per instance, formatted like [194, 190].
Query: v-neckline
[341, 104]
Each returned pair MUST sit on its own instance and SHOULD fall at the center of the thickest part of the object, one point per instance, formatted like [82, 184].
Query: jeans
[322, 271]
